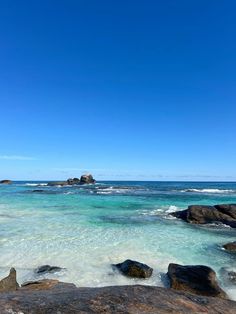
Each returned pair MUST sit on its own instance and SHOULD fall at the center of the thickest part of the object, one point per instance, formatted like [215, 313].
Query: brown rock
[197, 279]
[231, 246]
[67, 299]
[9, 283]
[45, 284]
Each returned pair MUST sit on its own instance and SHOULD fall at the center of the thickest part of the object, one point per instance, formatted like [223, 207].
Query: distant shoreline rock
[201, 214]
[5, 182]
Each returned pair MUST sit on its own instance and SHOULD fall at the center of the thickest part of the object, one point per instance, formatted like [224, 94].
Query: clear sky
[123, 89]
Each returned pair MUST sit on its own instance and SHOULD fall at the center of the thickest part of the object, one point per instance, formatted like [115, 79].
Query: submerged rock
[57, 183]
[134, 269]
[65, 298]
[231, 246]
[5, 182]
[38, 191]
[197, 279]
[87, 179]
[9, 283]
[200, 214]
[228, 275]
[47, 269]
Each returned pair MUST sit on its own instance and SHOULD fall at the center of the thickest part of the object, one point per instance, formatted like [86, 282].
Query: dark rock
[134, 269]
[9, 283]
[5, 182]
[57, 183]
[73, 181]
[200, 214]
[197, 279]
[231, 246]
[47, 269]
[87, 179]
[67, 299]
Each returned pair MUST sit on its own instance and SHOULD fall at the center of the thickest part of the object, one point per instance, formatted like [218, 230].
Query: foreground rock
[231, 246]
[47, 269]
[67, 299]
[134, 269]
[5, 182]
[198, 214]
[199, 280]
[9, 283]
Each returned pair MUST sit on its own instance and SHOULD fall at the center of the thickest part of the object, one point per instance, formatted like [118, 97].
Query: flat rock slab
[66, 299]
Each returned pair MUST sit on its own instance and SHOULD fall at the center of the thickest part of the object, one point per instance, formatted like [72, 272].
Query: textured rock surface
[198, 279]
[9, 283]
[231, 246]
[134, 269]
[200, 214]
[66, 299]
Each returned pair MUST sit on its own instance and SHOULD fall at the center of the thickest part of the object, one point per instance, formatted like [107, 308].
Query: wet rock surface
[200, 214]
[231, 246]
[134, 269]
[200, 280]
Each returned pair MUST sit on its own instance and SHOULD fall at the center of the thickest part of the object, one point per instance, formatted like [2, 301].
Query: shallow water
[87, 228]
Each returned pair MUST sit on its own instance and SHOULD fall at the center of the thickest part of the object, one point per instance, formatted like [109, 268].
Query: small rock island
[84, 179]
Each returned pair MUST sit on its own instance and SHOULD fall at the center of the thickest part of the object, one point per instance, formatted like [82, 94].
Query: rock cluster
[197, 285]
[200, 214]
[84, 179]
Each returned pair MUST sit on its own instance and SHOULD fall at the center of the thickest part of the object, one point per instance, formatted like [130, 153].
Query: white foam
[214, 191]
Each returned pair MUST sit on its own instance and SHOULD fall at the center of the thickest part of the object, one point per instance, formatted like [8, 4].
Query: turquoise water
[87, 228]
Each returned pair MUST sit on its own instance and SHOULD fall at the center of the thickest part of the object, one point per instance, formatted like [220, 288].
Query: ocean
[85, 229]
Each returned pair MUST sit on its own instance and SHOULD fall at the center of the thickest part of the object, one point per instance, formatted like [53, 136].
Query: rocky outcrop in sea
[84, 179]
[200, 214]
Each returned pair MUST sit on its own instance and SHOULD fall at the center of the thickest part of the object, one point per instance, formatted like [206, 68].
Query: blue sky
[123, 89]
